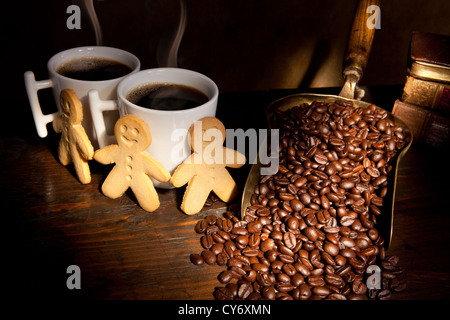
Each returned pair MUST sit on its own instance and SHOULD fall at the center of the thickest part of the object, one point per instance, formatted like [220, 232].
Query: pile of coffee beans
[311, 230]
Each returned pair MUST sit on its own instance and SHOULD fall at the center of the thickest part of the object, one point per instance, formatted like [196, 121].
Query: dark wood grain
[52, 221]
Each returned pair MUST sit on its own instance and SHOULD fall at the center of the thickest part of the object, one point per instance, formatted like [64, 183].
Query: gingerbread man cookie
[74, 145]
[134, 165]
[205, 170]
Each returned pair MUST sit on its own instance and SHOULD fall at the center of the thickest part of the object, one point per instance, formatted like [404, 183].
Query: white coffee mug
[58, 82]
[169, 128]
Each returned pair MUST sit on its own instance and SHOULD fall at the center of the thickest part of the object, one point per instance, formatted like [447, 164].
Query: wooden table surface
[123, 252]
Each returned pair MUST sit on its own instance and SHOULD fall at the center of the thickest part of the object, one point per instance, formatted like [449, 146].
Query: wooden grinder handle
[359, 43]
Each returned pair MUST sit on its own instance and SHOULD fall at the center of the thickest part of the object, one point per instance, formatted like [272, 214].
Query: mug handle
[97, 107]
[32, 86]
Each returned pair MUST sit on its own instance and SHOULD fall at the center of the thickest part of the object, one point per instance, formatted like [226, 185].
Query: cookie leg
[63, 153]
[195, 195]
[116, 183]
[81, 166]
[225, 188]
[145, 193]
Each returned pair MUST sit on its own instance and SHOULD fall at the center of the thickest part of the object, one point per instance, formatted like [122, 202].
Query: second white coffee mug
[169, 128]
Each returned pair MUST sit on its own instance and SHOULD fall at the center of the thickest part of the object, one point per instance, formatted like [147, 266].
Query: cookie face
[132, 132]
[206, 131]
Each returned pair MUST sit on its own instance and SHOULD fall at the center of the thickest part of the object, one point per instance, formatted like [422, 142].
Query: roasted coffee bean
[225, 276]
[207, 241]
[217, 238]
[233, 287]
[293, 223]
[331, 248]
[254, 240]
[250, 276]
[397, 284]
[241, 241]
[201, 226]
[284, 278]
[212, 229]
[289, 240]
[289, 269]
[285, 250]
[245, 260]
[334, 280]
[268, 292]
[346, 184]
[264, 279]
[260, 267]
[234, 262]
[245, 289]
[311, 233]
[284, 287]
[222, 259]
[286, 258]
[250, 252]
[316, 281]
[223, 293]
[211, 219]
[196, 259]
[305, 198]
[304, 292]
[254, 226]
[208, 256]
[384, 294]
[237, 272]
[297, 279]
[239, 231]
[321, 291]
[328, 259]
[217, 248]
[301, 268]
[277, 266]
[336, 296]
[267, 245]
[359, 287]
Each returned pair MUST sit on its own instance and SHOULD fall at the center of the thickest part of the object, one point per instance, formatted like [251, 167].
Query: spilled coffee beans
[311, 230]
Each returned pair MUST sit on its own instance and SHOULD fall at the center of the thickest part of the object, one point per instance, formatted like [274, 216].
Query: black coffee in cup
[166, 96]
[93, 69]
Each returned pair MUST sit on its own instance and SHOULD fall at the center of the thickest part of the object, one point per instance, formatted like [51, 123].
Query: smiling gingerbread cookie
[205, 170]
[134, 165]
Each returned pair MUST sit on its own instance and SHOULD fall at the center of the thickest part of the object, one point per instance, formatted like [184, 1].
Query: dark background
[242, 45]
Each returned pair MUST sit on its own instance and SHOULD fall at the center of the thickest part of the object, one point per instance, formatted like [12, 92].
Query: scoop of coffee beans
[311, 230]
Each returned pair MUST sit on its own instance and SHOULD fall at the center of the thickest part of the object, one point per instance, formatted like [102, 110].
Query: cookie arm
[184, 172]
[233, 158]
[107, 154]
[154, 168]
[57, 124]
[82, 142]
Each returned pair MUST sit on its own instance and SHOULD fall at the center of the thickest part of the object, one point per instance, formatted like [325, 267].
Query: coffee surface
[166, 96]
[93, 69]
